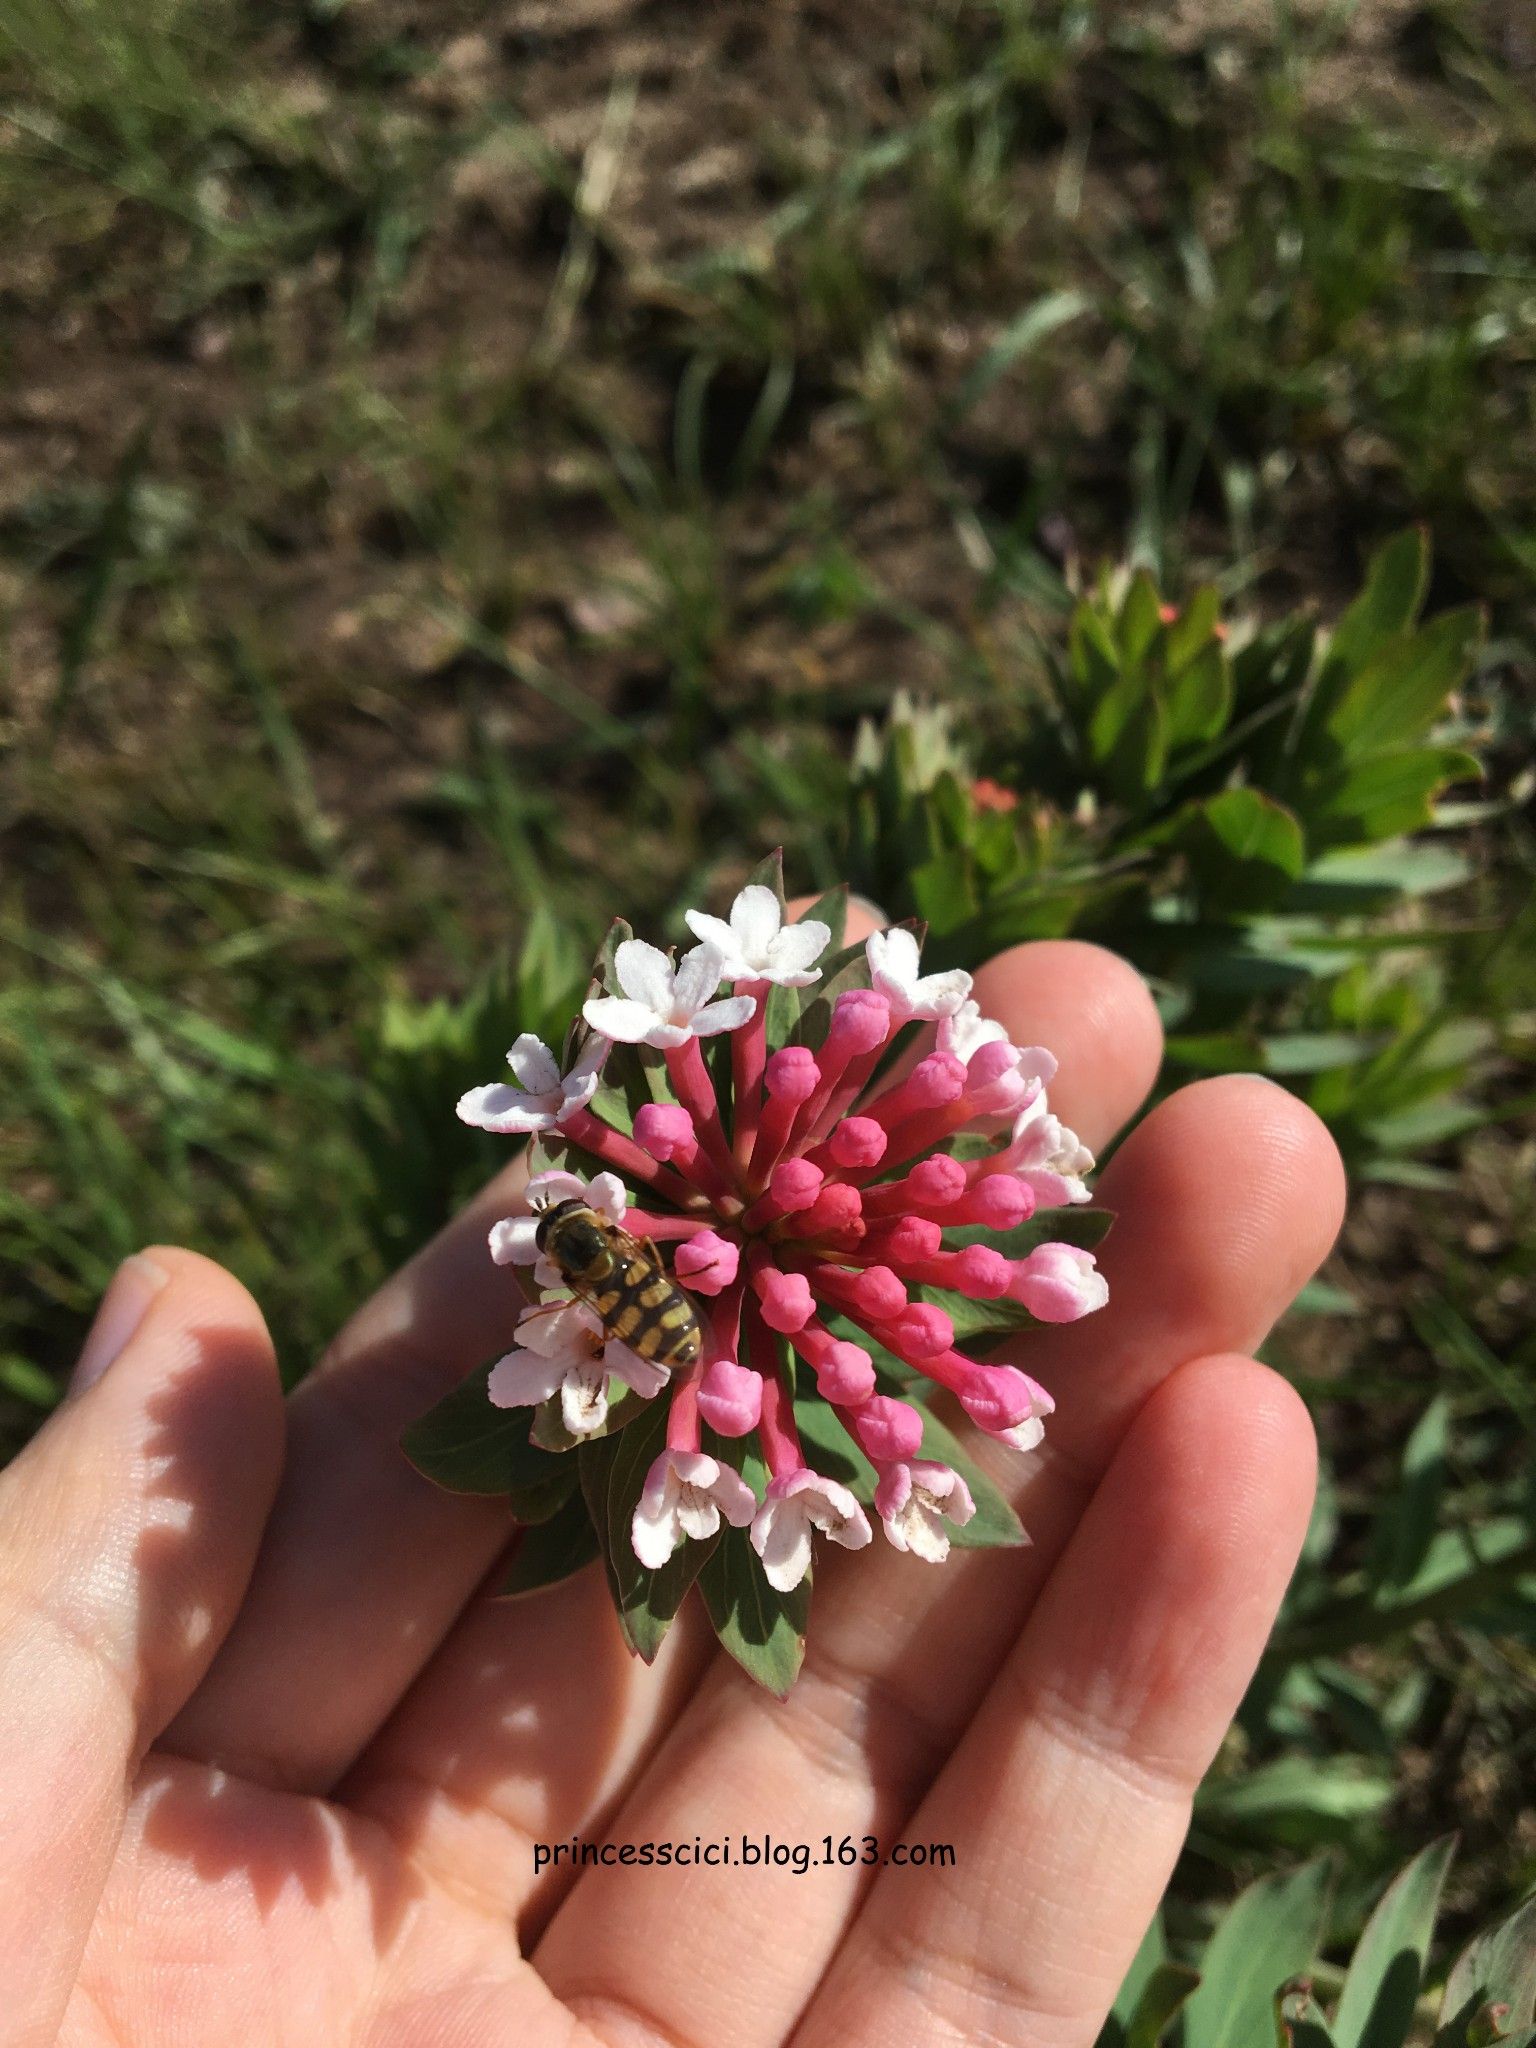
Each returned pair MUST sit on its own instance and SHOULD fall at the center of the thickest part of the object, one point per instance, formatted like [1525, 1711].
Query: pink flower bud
[834, 1212]
[910, 1240]
[1001, 1202]
[792, 1074]
[730, 1397]
[999, 1397]
[879, 1294]
[982, 1273]
[935, 1183]
[861, 1021]
[991, 1062]
[933, 1082]
[786, 1298]
[1059, 1283]
[857, 1141]
[922, 1331]
[664, 1129]
[846, 1374]
[886, 1430]
[794, 1184]
[706, 1262]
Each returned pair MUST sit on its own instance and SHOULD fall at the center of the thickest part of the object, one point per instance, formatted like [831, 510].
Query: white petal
[564, 1330]
[781, 1536]
[926, 1535]
[535, 1065]
[523, 1380]
[712, 931]
[607, 1194]
[893, 959]
[940, 995]
[641, 1374]
[595, 1049]
[697, 1514]
[501, 1107]
[555, 1185]
[513, 1241]
[653, 1532]
[626, 1022]
[798, 947]
[699, 974]
[729, 1014]
[645, 975]
[584, 1400]
[755, 920]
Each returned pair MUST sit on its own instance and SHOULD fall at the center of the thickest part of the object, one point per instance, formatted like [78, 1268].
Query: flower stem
[749, 1054]
[776, 1431]
[696, 1092]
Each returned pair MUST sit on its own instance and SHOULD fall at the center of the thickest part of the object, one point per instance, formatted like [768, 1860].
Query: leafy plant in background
[1247, 812]
[1258, 1978]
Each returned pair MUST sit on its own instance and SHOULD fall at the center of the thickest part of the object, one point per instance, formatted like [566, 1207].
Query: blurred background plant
[468, 474]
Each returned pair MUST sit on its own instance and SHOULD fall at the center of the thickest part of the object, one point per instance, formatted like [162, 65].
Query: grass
[452, 472]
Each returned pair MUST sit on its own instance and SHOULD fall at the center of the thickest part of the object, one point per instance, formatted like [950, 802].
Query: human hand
[278, 1761]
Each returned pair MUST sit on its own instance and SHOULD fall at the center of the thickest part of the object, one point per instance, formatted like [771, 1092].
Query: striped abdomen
[642, 1308]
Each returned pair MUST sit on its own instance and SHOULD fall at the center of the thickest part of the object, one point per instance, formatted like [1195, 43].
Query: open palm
[277, 1763]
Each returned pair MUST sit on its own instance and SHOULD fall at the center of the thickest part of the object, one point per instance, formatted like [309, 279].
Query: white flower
[543, 1097]
[794, 1506]
[894, 973]
[663, 1005]
[965, 1031]
[685, 1494]
[1042, 1151]
[915, 1501]
[561, 1349]
[758, 945]
[514, 1241]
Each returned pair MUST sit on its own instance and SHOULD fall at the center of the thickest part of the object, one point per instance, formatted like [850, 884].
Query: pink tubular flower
[796, 1504]
[916, 1501]
[687, 1493]
[830, 1192]
[1059, 1282]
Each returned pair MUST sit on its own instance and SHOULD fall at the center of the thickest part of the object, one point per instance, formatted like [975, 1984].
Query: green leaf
[1084, 1224]
[1300, 1801]
[1270, 1934]
[467, 1446]
[1166, 1992]
[1382, 795]
[553, 1551]
[1497, 1967]
[764, 1630]
[1149, 1958]
[1403, 689]
[1199, 700]
[1014, 342]
[1386, 1970]
[1406, 1522]
[1300, 2021]
[769, 874]
[845, 970]
[1388, 604]
[613, 1472]
[1244, 848]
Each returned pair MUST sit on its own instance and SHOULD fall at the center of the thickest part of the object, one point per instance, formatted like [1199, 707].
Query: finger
[366, 1565]
[900, 1653]
[1070, 1794]
[465, 1772]
[127, 1533]
[845, 1746]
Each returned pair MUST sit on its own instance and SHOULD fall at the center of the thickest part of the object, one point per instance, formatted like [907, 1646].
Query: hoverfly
[623, 1280]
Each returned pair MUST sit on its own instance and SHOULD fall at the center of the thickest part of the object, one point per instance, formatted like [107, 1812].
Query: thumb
[128, 1528]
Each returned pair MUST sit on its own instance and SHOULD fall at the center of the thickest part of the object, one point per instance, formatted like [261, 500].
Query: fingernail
[134, 1286]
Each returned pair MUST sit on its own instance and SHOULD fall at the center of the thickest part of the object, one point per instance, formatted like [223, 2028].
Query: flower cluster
[831, 1211]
